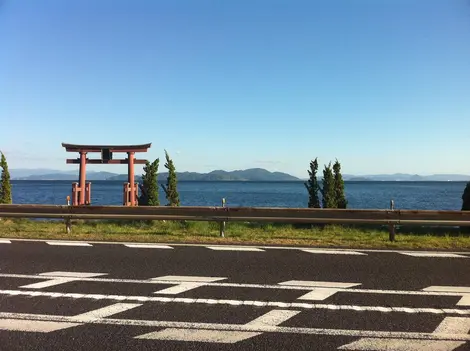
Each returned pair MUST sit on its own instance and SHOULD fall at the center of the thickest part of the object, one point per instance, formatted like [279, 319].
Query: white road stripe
[333, 252]
[34, 326]
[433, 254]
[187, 278]
[5, 241]
[148, 246]
[463, 291]
[48, 283]
[274, 304]
[106, 311]
[180, 288]
[198, 335]
[245, 327]
[69, 243]
[234, 248]
[376, 344]
[272, 318]
[160, 280]
[72, 274]
[319, 284]
[322, 290]
[454, 325]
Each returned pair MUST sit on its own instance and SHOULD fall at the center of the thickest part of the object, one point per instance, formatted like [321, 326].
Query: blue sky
[383, 86]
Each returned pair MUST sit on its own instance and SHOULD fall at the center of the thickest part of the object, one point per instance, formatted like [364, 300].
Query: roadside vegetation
[239, 233]
[5, 185]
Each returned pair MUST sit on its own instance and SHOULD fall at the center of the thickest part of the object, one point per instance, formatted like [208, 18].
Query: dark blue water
[372, 195]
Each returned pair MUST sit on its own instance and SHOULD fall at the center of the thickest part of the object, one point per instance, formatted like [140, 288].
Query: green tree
[170, 189]
[466, 205]
[312, 185]
[5, 185]
[149, 186]
[340, 197]
[328, 190]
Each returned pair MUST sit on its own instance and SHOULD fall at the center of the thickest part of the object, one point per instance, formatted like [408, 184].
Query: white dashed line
[67, 243]
[333, 252]
[148, 246]
[234, 248]
[433, 254]
[4, 241]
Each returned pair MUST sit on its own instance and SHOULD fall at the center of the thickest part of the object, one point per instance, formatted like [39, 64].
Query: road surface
[57, 295]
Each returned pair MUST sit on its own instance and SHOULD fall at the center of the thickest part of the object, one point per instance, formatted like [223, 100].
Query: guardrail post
[222, 224]
[68, 222]
[391, 227]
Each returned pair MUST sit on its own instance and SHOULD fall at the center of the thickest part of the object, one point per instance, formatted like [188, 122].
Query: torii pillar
[81, 191]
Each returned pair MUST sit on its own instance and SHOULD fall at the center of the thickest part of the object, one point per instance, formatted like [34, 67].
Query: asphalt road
[100, 296]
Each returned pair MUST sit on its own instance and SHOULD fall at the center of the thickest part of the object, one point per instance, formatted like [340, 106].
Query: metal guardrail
[389, 217]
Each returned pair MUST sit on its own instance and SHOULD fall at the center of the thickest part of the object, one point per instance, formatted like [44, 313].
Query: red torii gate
[81, 191]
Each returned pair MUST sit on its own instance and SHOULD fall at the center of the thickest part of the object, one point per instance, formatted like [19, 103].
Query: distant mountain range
[252, 174]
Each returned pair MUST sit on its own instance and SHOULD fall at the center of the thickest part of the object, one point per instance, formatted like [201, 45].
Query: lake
[368, 195]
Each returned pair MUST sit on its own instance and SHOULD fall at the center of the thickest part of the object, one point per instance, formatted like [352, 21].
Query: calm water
[407, 195]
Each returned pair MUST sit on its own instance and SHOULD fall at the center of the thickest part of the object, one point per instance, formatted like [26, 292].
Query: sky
[383, 86]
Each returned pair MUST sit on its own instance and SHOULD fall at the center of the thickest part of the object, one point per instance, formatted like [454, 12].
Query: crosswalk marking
[256, 303]
[375, 344]
[34, 326]
[60, 278]
[106, 311]
[333, 252]
[271, 318]
[321, 290]
[184, 283]
[463, 291]
[450, 327]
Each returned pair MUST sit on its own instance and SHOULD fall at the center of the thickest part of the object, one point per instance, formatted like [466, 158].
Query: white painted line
[33, 326]
[185, 283]
[187, 278]
[454, 325]
[322, 290]
[443, 288]
[48, 283]
[376, 344]
[5, 241]
[274, 304]
[274, 317]
[234, 248]
[106, 311]
[244, 327]
[180, 288]
[148, 246]
[319, 284]
[65, 243]
[463, 291]
[433, 254]
[332, 252]
[198, 335]
[259, 246]
[72, 274]
[280, 286]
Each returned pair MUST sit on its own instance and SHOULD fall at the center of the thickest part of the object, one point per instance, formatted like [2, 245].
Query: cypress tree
[149, 186]
[328, 191]
[340, 197]
[5, 185]
[170, 189]
[312, 185]
[466, 198]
